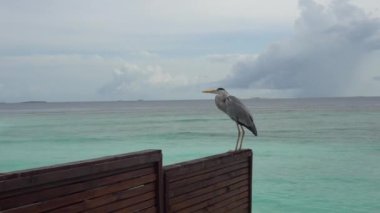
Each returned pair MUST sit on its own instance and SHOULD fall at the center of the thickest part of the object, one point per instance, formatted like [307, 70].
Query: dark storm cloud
[321, 59]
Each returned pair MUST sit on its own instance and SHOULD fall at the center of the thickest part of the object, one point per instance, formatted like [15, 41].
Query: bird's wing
[236, 107]
[239, 113]
[237, 101]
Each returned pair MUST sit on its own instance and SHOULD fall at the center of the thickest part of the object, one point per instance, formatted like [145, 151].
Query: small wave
[193, 120]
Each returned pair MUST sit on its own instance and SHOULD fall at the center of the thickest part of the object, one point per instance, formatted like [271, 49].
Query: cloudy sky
[172, 49]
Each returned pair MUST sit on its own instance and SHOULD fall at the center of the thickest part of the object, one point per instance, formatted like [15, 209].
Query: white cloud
[136, 81]
[69, 50]
[231, 58]
[323, 58]
[77, 77]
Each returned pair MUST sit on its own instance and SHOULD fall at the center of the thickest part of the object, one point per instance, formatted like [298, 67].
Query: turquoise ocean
[311, 155]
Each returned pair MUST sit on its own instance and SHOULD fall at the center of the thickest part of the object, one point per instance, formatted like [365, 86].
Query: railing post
[160, 187]
[250, 159]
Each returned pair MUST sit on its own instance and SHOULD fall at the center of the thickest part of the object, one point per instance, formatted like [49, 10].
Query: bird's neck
[223, 96]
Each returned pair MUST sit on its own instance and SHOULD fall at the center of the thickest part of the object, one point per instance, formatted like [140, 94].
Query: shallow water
[312, 155]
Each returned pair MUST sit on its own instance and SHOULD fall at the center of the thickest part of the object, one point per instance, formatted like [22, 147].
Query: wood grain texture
[219, 183]
[116, 182]
[135, 182]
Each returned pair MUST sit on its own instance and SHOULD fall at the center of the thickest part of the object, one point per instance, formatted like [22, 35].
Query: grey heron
[236, 110]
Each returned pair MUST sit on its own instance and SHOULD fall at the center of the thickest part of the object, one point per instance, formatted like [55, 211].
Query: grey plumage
[236, 110]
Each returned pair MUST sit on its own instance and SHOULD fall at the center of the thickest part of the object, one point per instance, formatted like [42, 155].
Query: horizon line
[142, 100]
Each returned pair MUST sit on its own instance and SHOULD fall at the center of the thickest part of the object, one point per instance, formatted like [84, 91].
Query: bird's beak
[209, 91]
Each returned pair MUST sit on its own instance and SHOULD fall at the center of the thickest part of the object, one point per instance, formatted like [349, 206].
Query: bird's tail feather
[253, 129]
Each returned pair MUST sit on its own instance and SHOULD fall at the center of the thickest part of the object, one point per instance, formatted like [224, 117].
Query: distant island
[34, 102]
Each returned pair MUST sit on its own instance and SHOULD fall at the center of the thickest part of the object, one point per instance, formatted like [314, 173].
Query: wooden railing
[131, 182]
[134, 182]
[220, 183]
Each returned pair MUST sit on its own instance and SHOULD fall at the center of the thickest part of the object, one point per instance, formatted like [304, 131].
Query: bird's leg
[237, 141]
[242, 137]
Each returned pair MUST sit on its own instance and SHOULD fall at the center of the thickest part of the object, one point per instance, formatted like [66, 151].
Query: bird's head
[219, 91]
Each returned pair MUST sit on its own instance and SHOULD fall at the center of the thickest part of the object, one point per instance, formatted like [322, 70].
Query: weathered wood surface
[128, 182]
[220, 183]
[134, 182]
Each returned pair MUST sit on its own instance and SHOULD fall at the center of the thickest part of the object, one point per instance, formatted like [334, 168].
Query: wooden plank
[88, 204]
[230, 204]
[30, 179]
[240, 205]
[132, 203]
[207, 176]
[70, 189]
[46, 169]
[176, 178]
[235, 154]
[72, 208]
[225, 198]
[229, 183]
[160, 187]
[220, 183]
[120, 195]
[204, 163]
[197, 181]
[139, 207]
[152, 209]
[192, 197]
[222, 201]
[207, 196]
[76, 186]
[250, 160]
[63, 182]
[191, 187]
[74, 198]
[167, 199]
